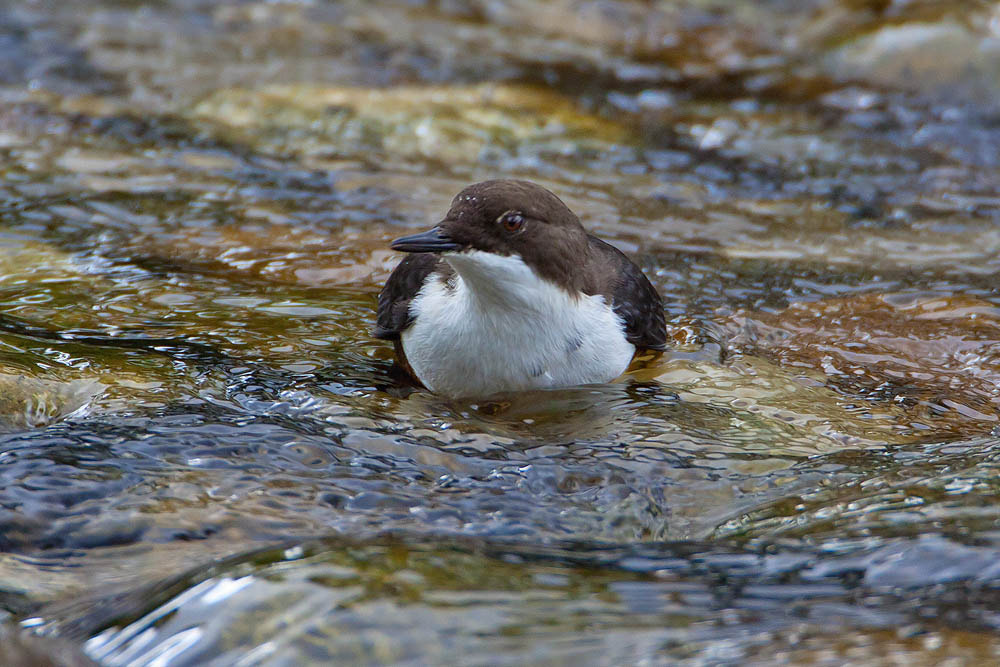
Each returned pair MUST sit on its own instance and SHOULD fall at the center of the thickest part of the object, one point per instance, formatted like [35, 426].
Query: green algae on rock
[454, 124]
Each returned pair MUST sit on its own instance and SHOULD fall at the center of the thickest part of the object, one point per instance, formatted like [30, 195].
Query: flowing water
[206, 459]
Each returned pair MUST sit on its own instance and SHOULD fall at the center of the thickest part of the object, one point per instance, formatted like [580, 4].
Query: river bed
[205, 458]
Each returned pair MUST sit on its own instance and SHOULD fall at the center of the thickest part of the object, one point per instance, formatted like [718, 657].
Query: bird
[510, 293]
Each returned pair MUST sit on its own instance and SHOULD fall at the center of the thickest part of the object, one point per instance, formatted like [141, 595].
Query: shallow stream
[206, 460]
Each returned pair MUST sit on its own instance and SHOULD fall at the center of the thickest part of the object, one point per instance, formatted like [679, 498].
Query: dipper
[509, 292]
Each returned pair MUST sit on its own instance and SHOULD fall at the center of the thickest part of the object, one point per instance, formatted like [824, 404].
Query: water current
[206, 458]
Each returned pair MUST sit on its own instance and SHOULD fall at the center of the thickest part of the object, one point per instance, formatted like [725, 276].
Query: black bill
[433, 240]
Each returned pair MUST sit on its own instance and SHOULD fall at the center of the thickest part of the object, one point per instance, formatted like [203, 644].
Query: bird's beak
[433, 240]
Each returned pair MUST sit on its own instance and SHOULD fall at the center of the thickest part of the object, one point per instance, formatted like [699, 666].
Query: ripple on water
[939, 355]
[508, 602]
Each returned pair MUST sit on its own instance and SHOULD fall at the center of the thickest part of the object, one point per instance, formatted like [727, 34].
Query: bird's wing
[394, 299]
[633, 298]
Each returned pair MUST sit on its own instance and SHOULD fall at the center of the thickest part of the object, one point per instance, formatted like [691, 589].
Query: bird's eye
[512, 221]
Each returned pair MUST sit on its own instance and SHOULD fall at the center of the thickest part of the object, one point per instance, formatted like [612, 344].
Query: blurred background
[204, 458]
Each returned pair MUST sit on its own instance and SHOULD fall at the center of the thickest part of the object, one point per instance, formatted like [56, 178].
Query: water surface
[206, 458]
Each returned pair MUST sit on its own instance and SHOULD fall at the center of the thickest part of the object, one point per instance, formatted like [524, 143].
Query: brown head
[510, 217]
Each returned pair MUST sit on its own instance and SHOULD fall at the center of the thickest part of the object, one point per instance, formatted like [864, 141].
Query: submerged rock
[939, 355]
[30, 402]
[773, 410]
[455, 124]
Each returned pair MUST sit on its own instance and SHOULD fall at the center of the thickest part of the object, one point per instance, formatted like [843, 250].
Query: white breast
[498, 327]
